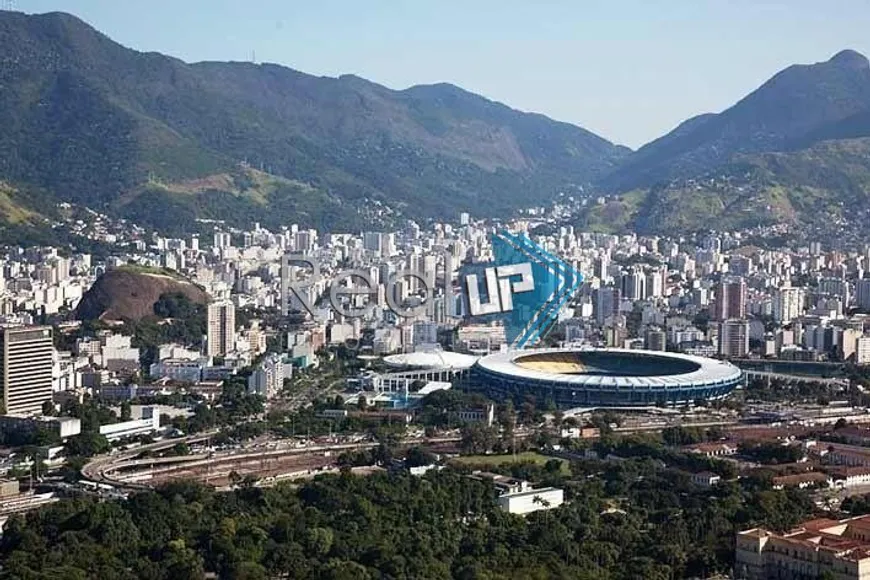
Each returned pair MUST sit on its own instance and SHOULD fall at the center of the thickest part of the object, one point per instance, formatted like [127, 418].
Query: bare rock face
[130, 294]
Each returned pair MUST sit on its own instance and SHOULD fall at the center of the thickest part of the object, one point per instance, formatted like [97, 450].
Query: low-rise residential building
[179, 370]
[112, 392]
[846, 455]
[706, 479]
[8, 488]
[118, 353]
[63, 426]
[802, 480]
[855, 434]
[485, 415]
[580, 433]
[713, 449]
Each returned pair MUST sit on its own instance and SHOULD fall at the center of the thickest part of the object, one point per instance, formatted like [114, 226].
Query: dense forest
[625, 520]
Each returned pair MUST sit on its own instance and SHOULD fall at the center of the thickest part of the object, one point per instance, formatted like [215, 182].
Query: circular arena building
[604, 378]
[430, 359]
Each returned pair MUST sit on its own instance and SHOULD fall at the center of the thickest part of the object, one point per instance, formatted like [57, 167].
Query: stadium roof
[706, 371]
[432, 359]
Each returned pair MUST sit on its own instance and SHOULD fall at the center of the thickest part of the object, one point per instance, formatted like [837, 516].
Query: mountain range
[163, 142]
[796, 150]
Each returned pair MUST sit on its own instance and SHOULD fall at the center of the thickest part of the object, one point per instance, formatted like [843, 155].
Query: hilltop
[797, 108]
[130, 292]
[795, 151]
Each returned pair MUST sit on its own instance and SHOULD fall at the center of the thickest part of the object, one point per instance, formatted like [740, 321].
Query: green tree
[87, 444]
[417, 456]
[319, 541]
[126, 411]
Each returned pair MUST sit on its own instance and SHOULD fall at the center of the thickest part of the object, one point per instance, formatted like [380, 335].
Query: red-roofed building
[854, 434]
[802, 480]
[712, 449]
[844, 477]
[840, 549]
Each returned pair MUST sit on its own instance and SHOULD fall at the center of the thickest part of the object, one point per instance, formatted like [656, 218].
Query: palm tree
[539, 500]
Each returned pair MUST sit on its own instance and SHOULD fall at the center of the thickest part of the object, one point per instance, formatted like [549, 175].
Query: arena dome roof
[433, 359]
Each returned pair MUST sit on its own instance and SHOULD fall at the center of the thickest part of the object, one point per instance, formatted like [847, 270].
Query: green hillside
[98, 124]
[797, 108]
[826, 184]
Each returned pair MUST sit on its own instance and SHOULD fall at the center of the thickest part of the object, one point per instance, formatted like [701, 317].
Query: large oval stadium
[604, 378]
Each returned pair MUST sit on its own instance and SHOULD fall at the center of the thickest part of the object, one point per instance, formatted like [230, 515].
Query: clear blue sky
[628, 70]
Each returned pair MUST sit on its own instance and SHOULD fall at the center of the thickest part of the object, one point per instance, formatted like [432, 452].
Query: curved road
[105, 469]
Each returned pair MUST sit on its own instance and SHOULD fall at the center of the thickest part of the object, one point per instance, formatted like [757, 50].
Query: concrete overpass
[128, 470]
[769, 376]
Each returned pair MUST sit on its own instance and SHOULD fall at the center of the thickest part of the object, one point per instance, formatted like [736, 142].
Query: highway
[93, 471]
[274, 460]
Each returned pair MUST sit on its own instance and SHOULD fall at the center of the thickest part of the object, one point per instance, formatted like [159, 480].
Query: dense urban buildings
[329, 329]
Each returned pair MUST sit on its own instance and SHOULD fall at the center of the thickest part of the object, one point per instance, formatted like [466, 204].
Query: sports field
[484, 461]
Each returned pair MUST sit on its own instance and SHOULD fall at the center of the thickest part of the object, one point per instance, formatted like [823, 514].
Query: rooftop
[431, 359]
[531, 492]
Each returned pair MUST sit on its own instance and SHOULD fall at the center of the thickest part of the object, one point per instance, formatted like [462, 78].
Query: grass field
[484, 461]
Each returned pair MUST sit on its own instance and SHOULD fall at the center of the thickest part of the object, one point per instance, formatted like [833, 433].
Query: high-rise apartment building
[607, 300]
[26, 365]
[847, 342]
[734, 338]
[601, 267]
[633, 285]
[425, 333]
[223, 240]
[730, 299]
[862, 293]
[655, 283]
[788, 304]
[862, 350]
[221, 328]
[655, 339]
[268, 380]
[836, 288]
